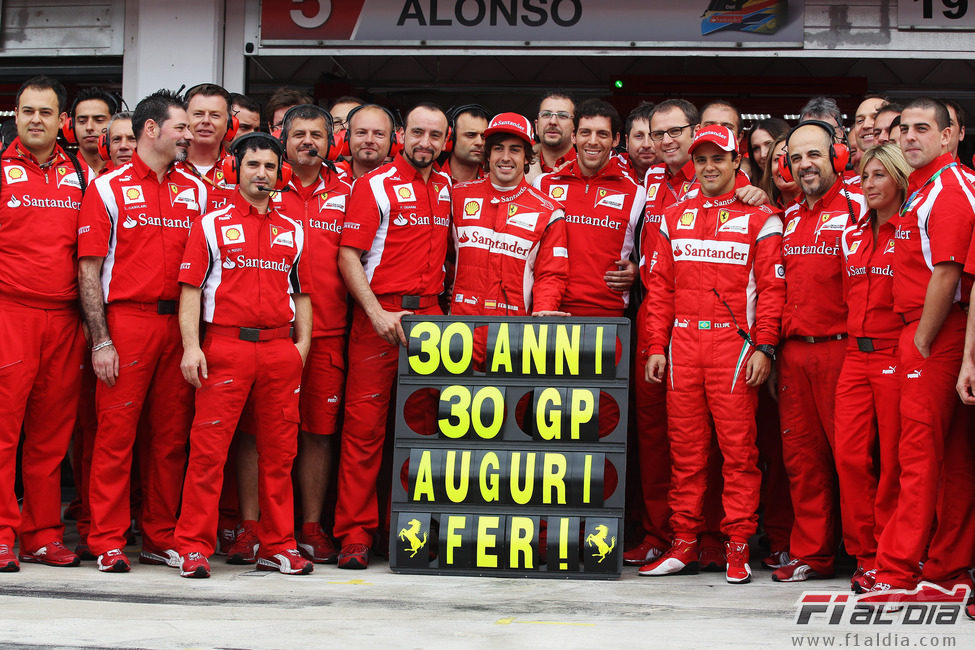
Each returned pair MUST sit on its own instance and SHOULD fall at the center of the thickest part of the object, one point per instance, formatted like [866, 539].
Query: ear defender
[785, 170]
[230, 175]
[68, 132]
[233, 125]
[103, 147]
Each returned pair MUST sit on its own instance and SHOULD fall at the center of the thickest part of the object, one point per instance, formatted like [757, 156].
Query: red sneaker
[776, 560]
[680, 559]
[645, 552]
[316, 546]
[225, 538]
[795, 571]
[194, 565]
[8, 561]
[289, 562]
[114, 561]
[863, 580]
[737, 570]
[52, 554]
[244, 549]
[354, 556]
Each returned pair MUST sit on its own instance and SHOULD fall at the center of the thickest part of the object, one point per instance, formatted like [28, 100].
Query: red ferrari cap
[514, 124]
[715, 134]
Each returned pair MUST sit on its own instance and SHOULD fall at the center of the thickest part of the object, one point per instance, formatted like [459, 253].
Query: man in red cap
[714, 300]
[512, 255]
[392, 254]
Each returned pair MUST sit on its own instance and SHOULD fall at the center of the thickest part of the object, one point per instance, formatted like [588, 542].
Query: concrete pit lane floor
[239, 607]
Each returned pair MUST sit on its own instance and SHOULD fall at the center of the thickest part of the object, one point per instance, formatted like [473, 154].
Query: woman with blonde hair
[867, 425]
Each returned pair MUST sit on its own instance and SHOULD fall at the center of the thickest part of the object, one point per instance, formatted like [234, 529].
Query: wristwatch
[767, 350]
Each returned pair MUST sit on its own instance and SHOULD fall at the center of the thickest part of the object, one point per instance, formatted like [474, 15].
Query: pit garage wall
[166, 44]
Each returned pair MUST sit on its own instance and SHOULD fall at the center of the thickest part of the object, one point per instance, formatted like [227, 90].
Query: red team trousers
[150, 388]
[935, 462]
[40, 381]
[369, 387]
[867, 433]
[808, 373]
[268, 375]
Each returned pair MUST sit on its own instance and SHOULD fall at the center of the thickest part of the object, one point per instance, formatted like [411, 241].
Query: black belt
[410, 302]
[167, 306]
[253, 334]
[820, 339]
[866, 344]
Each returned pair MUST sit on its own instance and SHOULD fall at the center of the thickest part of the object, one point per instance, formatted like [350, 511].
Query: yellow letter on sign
[487, 542]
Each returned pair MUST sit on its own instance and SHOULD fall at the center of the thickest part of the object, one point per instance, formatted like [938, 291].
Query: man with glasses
[340, 110]
[553, 127]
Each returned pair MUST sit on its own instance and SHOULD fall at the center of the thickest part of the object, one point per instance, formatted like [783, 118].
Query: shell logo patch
[15, 174]
[472, 208]
[855, 245]
[791, 226]
[686, 221]
[558, 192]
[403, 192]
[652, 191]
[132, 194]
[232, 234]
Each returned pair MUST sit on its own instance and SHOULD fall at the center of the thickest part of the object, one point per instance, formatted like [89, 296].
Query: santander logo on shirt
[243, 262]
[160, 222]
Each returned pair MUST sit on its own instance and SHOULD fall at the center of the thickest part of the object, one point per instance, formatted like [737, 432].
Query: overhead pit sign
[649, 23]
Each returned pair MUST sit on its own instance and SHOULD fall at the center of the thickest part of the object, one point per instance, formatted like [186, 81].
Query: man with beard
[553, 127]
[131, 236]
[813, 326]
[393, 249]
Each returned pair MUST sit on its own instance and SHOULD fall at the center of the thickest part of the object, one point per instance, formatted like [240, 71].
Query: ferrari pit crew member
[863, 131]
[934, 231]
[245, 262]
[248, 113]
[465, 143]
[602, 206]
[371, 134]
[392, 255]
[715, 299]
[814, 324]
[212, 125]
[640, 152]
[121, 140]
[90, 115]
[512, 256]
[554, 124]
[131, 237]
[43, 346]
[317, 196]
[867, 427]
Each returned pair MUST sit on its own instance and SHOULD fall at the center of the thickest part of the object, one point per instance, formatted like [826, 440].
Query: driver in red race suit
[512, 255]
[715, 301]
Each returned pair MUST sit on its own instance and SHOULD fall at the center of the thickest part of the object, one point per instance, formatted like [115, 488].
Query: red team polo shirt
[401, 224]
[247, 264]
[663, 190]
[140, 226]
[936, 227]
[321, 209]
[601, 215]
[869, 282]
[570, 156]
[814, 262]
[39, 229]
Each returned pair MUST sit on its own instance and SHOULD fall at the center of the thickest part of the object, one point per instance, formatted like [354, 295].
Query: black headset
[289, 115]
[113, 102]
[345, 148]
[456, 111]
[231, 163]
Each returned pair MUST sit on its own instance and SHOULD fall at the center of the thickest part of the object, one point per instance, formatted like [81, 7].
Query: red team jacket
[512, 255]
[601, 215]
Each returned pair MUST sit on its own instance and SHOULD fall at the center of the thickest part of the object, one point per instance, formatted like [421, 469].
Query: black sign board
[510, 447]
